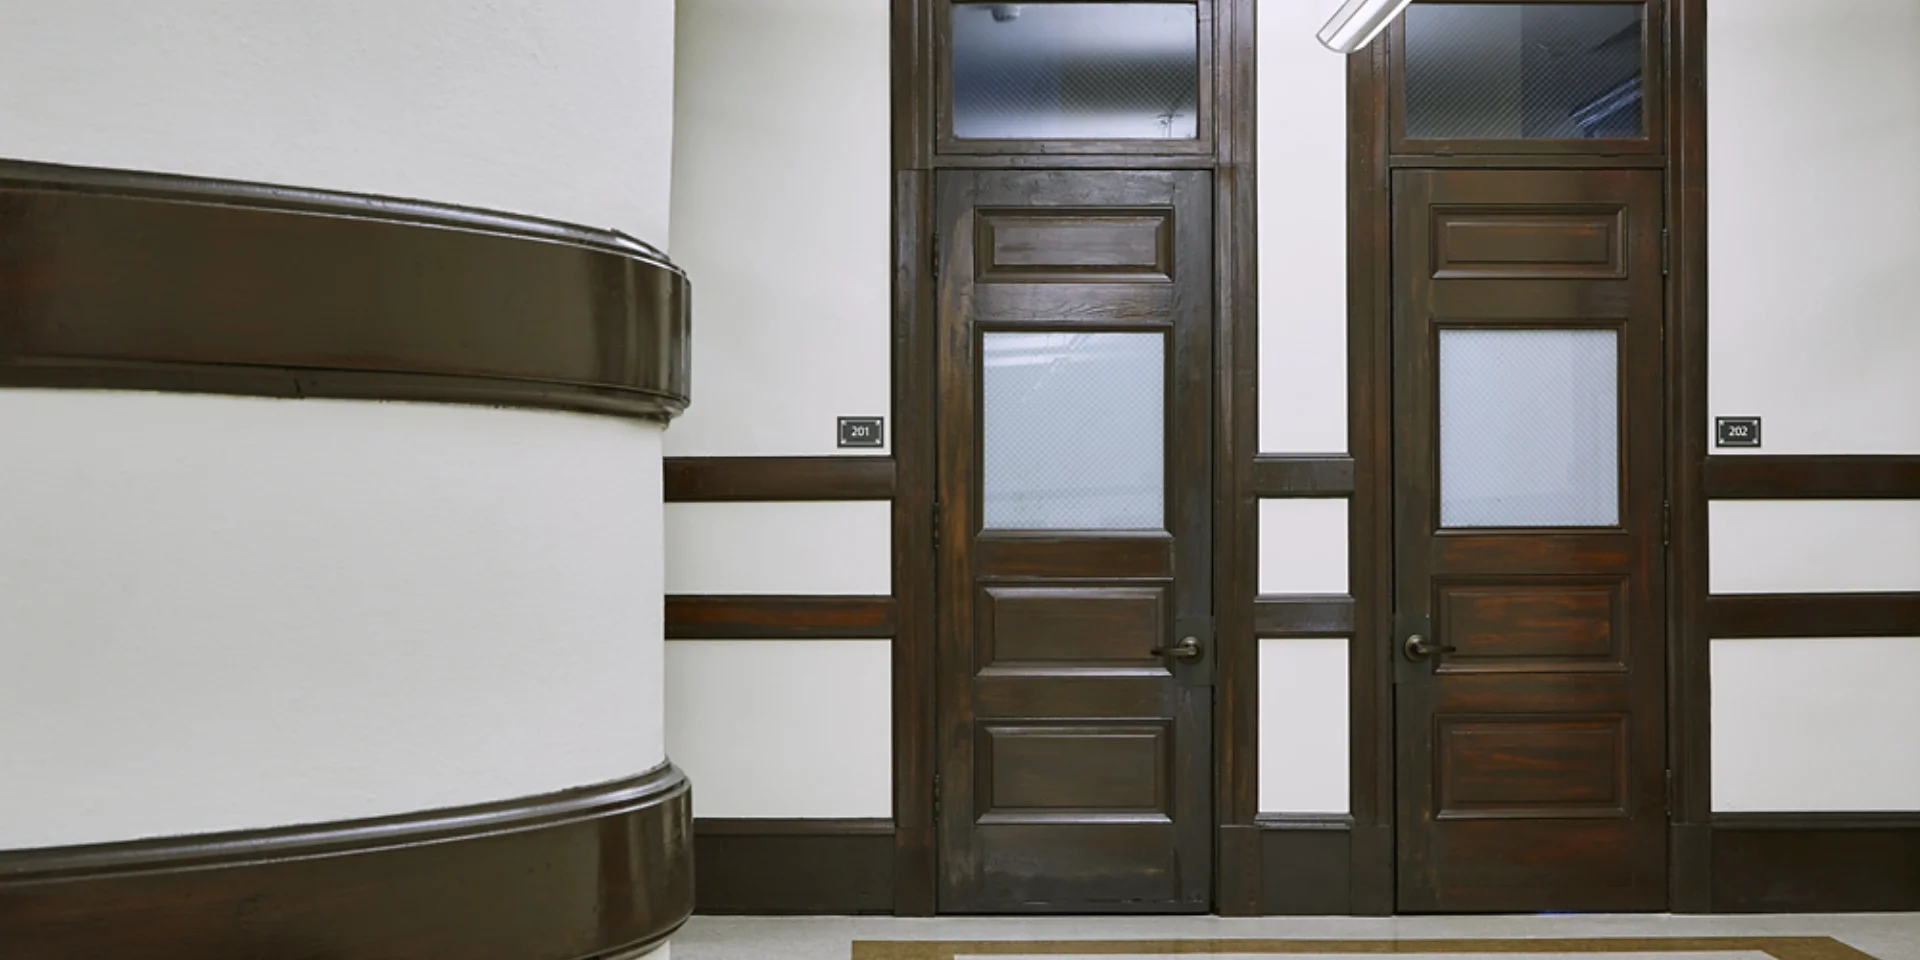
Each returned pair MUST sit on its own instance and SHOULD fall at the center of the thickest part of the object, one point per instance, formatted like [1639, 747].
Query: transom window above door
[1075, 76]
[1498, 76]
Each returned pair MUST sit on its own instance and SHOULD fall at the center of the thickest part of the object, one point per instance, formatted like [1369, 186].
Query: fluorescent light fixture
[1357, 22]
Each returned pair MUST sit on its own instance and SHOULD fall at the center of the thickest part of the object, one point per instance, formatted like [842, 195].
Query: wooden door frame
[1369, 350]
[1251, 852]
[916, 161]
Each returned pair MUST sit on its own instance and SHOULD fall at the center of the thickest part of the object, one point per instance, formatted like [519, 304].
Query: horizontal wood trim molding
[144, 281]
[1753, 616]
[754, 617]
[1305, 865]
[1816, 862]
[1281, 615]
[835, 867]
[582, 873]
[717, 479]
[1316, 475]
[1812, 477]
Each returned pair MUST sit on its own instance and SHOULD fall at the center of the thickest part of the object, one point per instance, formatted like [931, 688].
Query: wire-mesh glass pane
[1529, 428]
[1513, 71]
[1074, 431]
[1076, 71]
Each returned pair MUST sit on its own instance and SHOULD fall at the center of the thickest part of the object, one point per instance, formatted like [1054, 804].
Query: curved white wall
[224, 613]
[562, 110]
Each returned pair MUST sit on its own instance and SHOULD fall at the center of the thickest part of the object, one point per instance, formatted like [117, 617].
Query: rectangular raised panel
[1079, 768]
[1518, 627]
[1029, 630]
[1073, 246]
[1581, 244]
[1529, 428]
[1531, 767]
[1075, 71]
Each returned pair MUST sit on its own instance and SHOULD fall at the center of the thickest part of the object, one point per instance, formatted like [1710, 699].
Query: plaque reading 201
[863, 431]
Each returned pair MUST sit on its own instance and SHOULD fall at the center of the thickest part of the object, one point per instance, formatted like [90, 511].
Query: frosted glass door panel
[1529, 428]
[1074, 431]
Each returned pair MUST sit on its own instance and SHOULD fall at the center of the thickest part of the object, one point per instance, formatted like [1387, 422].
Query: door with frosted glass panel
[1529, 557]
[1075, 652]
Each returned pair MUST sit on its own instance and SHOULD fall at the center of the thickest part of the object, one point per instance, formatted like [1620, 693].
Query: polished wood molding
[1816, 862]
[1277, 475]
[786, 617]
[1813, 477]
[718, 479]
[146, 281]
[582, 873]
[1302, 615]
[836, 867]
[1746, 616]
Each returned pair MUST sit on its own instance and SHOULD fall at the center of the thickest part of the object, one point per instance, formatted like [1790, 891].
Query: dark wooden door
[1075, 345]
[1529, 551]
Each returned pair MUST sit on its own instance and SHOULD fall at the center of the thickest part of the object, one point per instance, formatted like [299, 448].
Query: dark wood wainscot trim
[1306, 866]
[1813, 478]
[835, 867]
[752, 617]
[1816, 862]
[775, 479]
[591, 872]
[1748, 616]
[140, 281]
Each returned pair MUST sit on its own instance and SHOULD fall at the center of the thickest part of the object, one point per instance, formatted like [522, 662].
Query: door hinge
[936, 524]
[936, 798]
[934, 245]
[1667, 797]
[1666, 252]
[1666, 523]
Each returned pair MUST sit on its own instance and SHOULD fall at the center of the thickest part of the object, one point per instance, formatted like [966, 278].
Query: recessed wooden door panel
[1528, 458]
[1074, 496]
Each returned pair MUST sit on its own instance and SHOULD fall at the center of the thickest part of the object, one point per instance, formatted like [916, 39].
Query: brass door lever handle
[1187, 649]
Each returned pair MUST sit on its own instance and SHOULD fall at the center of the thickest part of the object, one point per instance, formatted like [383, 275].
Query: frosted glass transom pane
[1074, 431]
[1529, 428]
[1075, 71]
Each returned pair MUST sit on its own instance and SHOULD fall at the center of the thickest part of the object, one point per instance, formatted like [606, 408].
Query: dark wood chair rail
[588, 872]
[126, 280]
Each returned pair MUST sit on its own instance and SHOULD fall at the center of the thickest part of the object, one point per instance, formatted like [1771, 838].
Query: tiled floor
[1881, 936]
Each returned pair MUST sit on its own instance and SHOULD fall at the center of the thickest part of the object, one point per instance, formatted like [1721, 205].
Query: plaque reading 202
[862, 431]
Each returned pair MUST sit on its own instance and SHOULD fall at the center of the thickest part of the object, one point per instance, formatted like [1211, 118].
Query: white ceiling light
[1357, 22]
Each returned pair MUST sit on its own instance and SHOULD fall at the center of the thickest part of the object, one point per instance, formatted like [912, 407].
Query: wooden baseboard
[1816, 863]
[834, 867]
[1306, 866]
[596, 871]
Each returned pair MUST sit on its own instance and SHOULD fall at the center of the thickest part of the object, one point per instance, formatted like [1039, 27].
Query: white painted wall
[1813, 546]
[1813, 124]
[1303, 546]
[1301, 179]
[827, 548]
[223, 613]
[1813, 130]
[782, 211]
[559, 110]
[783, 728]
[1303, 726]
[1815, 725]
